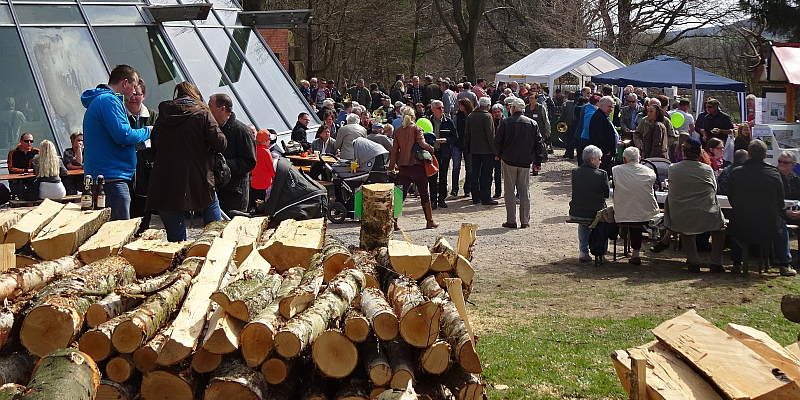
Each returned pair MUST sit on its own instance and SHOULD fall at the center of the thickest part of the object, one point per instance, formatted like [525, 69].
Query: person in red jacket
[264, 172]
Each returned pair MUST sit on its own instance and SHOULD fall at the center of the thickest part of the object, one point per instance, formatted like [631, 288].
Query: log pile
[242, 313]
[693, 359]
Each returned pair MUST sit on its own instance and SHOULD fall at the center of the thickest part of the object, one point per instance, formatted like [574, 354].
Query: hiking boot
[787, 270]
[659, 247]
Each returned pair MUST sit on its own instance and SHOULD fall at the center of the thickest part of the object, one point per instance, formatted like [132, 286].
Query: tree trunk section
[108, 308]
[201, 246]
[249, 295]
[305, 293]
[334, 354]
[152, 257]
[462, 384]
[419, 319]
[375, 362]
[408, 259]
[435, 359]
[16, 282]
[7, 220]
[109, 240]
[377, 215]
[144, 358]
[67, 231]
[141, 324]
[379, 313]
[245, 232]
[222, 335]
[57, 312]
[31, 223]
[97, 341]
[303, 329]
[335, 257]
[365, 262]
[356, 326]
[257, 337]
[63, 374]
[399, 355]
[276, 369]
[204, 361]
[16, 368]
[169, 384]
[188, 324]
[235, 380]
[120, 368]
[294, 243]
[110, 390]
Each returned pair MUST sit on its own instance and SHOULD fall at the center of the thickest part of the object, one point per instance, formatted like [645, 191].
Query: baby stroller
[661, 167]
[371, 159]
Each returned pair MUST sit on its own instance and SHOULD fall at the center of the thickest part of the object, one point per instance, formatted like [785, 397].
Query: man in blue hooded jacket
[109, 141]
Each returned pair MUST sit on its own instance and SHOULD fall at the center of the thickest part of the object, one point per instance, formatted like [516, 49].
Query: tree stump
[377, 216]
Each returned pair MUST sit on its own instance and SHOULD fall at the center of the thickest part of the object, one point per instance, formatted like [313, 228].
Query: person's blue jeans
[583, 234]
[175, 220]
[118, 198]
[783, 255]
[457, 156]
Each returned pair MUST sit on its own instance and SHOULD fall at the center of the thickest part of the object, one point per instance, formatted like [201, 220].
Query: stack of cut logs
[693, 359]
[243, 312]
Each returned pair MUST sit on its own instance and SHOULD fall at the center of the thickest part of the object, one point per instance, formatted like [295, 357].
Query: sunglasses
[632, 101]
[28, 141]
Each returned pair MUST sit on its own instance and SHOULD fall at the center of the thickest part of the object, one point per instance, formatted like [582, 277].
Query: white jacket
[634, 200]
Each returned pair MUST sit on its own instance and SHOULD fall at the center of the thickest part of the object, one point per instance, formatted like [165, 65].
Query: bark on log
[466, 240]
[169, 384]
[222, 335]
[110, 390]
[152, 257]
[245, 232]
[379, 313]
[204, 361]
[419, 319]
[276, 369]
[188, 324]
[109, 240]
[366, 263]
[57, 312]
[201, 246]
[389, 394]
[257, 337]
[462, 384]
[19, 281]
[453, 328]
[8, 219]
[436, 358]
[148, 286]
[144, 358]
[249, 295]
[293, 243]
[31, 223]
[399, 355]
[303, 329]
[377, 215]
[16, 368]
[305, 293]
[375, 362]
[408, 259]
[427, 390]
[67, 231]
[235, 380]
[63, 374]
[108, 308]
[10, 391]
[335, 257]
[9, 325]
[790, 307]
[141, 324]
[386, 275]
[334, 354]
[356, 325]
[120, 368]
[353, 389]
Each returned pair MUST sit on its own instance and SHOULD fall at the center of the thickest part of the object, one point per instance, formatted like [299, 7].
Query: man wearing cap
[360, 94]
[716, 123]
[446, 134]
[394, 117]
[379, 137]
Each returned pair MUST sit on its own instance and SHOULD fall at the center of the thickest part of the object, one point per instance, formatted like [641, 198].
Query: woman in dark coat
[184, 139]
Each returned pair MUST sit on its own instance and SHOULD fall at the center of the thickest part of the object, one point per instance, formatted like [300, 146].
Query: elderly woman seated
[634, 200]
[791, 184]
[589, 191]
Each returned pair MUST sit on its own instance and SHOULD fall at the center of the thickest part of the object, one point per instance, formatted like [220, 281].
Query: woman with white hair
[49, 169]
[634, 201]
[589, 193]
[348, 133]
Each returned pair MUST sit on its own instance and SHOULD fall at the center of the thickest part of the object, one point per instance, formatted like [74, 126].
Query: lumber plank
[8, 259]
[109, 240]
[29, 225]
[408, 259]
[293, 243]
[67, 231]
[152, 257]
[766, 347]
[245, 232]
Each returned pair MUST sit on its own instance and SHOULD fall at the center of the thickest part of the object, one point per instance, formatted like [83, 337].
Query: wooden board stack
[693, 359]
[243, 312]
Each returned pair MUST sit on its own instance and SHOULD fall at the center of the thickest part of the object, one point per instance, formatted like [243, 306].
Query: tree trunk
[10, 391]
[8, 219]
[169, 384]
[335, 257]
[110, 390]
[31, 223]
[244, 231]
[462, 384]
[356, 326]
[408, 259]
[144, 358]
[435, 359]
[57, 312]
[353, 389]
[16, 282]
[365, 262]
[63, 374]
[377, 216]
[109, 307]
[16, 368]
[305, 293]
[67, 231]
[375, 362]
[204, 361]
[257, 337]
[293, 243]
[399, 355]
[222, 335]
[201, 246]
[189, 322]
[141, 324]
[453, 327]
[419, 319]
[379, 313]
[235, 380]
[276, 369]
[304, 328]
[249, 295]
[334, 354]
[109, 240]
[120, 368]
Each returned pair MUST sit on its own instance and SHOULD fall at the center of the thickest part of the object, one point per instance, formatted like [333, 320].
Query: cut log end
[275, 370]
[120, 369]
[227, 390]
[47, 328]
[127, 337]
[257, 342]
[96, 345]
[287, 344]
[420, 326]
[204, 361]
[166, 385]
[435, 359]
[334, 354]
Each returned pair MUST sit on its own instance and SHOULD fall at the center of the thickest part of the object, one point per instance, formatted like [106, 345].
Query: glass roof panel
[229, 17]
[163, 1]
[49, 14]
[112, 1]
[5, 15]
[123, 15]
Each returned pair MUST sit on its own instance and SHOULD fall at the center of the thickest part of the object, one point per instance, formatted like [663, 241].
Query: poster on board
[762, 112]
[764, 133]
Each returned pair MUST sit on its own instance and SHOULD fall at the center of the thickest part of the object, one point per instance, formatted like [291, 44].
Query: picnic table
[14, 177]
[661, 198]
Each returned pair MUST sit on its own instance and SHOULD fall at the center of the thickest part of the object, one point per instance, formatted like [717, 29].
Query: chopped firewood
[109, 240]
[377, 215]
[19, 281]
[356, 326]
[408, 259]
[169, 384]
[63, 374]
[379, 313]
[120, 368]
[31, 223]
[235, 380]
[110, 390]
[204, 361]
[8, 219]
[109, 307]
[436, 358]
[67, 231]
[466, 240]
[152, 257]
[144, 358]
[768, 348]
[334, 354]
[245, 232]
[399, 355]
[462, 384]
[335, 257]
[299, 299]
[419, 318]
[222, 335]
[293, 243]
[375, 362]
[201, 246]
[276, 369]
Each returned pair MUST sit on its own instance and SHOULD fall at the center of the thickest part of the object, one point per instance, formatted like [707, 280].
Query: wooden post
[790, 103]
[638, 375]
[377, 216]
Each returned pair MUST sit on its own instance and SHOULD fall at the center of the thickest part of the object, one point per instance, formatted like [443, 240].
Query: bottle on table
[86, 195]
[100, 198]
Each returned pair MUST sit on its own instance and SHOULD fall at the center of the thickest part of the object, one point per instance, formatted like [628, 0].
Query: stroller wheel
[337, 212]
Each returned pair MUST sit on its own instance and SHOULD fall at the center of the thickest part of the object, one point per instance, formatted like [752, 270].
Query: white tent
[546, 65]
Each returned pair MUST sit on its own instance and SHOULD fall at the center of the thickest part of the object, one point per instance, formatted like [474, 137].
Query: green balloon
[425, 124]
[677, 119]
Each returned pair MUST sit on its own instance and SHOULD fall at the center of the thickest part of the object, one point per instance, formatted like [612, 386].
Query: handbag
[431, 167]
[222, 172]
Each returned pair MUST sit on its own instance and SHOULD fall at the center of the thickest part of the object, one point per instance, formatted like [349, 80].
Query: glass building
[56, 49]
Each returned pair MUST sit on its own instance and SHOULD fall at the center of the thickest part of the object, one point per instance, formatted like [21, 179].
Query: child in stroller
[368, 166]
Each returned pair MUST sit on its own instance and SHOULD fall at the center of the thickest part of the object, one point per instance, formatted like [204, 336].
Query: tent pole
[694, 88]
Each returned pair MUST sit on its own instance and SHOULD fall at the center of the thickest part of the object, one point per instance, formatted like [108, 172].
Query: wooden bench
[73, 198]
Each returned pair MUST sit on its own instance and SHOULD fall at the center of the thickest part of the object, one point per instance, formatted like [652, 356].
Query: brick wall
[278, 41]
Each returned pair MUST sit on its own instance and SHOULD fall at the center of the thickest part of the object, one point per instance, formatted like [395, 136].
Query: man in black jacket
[299, 134]
[446, 134]
[518, 143]
[602, 133]
[240, 154]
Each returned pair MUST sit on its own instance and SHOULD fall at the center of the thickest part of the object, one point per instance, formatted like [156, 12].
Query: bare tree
[462, 19]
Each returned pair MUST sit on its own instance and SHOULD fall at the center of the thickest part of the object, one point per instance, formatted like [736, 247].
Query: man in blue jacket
[446, 135]
[109, 141]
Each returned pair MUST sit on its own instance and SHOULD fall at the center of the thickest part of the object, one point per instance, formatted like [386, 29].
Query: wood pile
[243, 312]
[693, 359]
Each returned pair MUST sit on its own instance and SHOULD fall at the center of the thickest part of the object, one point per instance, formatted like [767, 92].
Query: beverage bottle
[86, 196]
[100, 199]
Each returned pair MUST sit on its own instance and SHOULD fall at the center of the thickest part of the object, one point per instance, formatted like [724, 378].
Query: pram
[661, 167]
[371, 159]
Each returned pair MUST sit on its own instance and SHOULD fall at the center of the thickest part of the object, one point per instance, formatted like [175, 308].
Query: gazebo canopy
[545, 65]
[665, 71]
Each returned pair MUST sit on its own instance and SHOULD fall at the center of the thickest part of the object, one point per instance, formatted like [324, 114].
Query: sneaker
[693, 268]
[659, 247]
[585, 257]
[717, 269]
[787, 270]
[635, 261]
[510, 225]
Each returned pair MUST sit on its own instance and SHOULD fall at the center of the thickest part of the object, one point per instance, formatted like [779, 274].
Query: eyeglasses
[137, 95]
[784, 162]
[719, 148]
[438, 108]
[633, 101]
[28, 141]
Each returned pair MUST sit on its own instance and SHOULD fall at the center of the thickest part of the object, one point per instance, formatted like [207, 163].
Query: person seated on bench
[634, 200]
[589, 194]
[49, 170]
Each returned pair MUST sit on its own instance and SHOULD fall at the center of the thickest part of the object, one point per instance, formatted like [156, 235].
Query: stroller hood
[294, 195]
[365, 151]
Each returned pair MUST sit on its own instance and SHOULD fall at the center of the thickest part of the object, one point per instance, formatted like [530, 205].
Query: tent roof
[665, 71]
[548, 64]
[788, 56]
